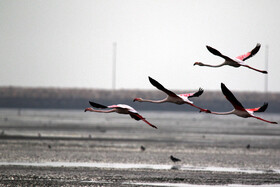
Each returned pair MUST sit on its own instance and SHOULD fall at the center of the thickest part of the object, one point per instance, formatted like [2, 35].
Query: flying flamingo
[172, 97]
[121, 109]
[235, 62]
[239, 110]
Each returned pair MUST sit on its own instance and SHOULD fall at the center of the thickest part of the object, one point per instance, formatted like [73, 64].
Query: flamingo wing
[249, 54]
[138, 117]
[231, 98]
[96, 105]
[160, 87]
[259, 109]
[195, 94]
[216, 52]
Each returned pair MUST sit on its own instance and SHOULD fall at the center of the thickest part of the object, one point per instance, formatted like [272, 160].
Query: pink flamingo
[121, 109]
[172, 97]
[239, 110]
[235, 62]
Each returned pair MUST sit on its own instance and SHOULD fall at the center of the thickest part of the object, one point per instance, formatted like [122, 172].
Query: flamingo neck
[223, 113]
[101, 111]
[154, 101]
[213, 66]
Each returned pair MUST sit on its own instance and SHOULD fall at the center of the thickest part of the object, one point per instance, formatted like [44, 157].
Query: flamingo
[239, 110]
[119, 108]
[235, 62]
[172, 97]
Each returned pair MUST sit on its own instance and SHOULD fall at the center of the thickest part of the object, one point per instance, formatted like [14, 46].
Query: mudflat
[62, 148]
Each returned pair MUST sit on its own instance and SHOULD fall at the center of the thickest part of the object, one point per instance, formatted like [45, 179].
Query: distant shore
[74, 98]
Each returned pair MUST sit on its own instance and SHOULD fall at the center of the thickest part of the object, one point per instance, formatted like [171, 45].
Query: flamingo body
[239, 110]
[119, 108]
[234, 62]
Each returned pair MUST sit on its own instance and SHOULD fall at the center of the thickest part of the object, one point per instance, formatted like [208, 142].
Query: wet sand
[201, 141]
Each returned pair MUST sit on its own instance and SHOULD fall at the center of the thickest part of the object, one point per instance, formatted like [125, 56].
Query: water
[222, 149]
[138, 166]
[182, 127]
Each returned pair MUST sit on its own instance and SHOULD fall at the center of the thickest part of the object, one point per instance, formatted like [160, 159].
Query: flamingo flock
[180, 99]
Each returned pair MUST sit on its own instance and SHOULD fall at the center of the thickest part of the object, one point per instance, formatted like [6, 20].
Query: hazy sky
[64, 43]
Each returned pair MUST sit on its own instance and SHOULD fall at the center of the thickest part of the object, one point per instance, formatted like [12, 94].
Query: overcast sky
[64, 43]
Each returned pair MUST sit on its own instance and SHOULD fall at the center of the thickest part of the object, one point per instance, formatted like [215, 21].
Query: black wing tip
[225, 90]
[198, 93]
[263, 108]
[151, 79]
[256, 49]
[209, 47]
[154, 82]
[96, 105]
[200, 90]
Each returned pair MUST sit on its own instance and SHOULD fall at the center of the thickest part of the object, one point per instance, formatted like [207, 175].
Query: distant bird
[121, 109]
[172, 97]
[174, 159]
[235, 62]
[142, 148]
[248, 146]
[49, 146]
[239, 110]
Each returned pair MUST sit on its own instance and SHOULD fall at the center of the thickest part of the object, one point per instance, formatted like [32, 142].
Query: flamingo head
[137, 99]
[198, 63]
[88, 109]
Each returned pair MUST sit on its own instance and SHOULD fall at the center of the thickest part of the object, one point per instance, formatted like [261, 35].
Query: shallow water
[223, 149]
[138, 166]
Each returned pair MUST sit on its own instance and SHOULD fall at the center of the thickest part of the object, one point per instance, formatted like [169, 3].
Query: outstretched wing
[96, 105]
[138, 117]
[160, 87]
[259, 109]
[249, 54]
[216, 52]
[195, 94]
[231, 98]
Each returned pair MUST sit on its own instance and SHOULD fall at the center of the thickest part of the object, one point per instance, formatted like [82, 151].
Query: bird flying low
[172, 97]
[239, 110]
[119, 108]
[235, 62]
